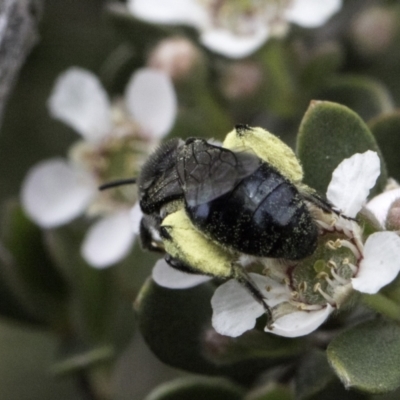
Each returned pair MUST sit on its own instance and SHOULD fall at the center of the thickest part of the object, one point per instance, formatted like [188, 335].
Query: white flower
[376, 263]
[378, 260]
[236, 28]
[116, 140]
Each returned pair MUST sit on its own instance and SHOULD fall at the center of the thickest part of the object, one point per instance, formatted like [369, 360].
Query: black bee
[206, 205]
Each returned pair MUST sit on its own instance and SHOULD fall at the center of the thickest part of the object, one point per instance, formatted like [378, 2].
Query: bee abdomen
[264, 215]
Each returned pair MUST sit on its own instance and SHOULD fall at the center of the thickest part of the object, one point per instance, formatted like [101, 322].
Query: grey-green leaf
[33, 278]
[329, 133]
[176, 324]
[197, 388]
[313, 375]
[364, 95]
[271, 391]
[386, 129]
[367, 357]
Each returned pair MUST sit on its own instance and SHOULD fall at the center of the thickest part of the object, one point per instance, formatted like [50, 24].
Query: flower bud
[373, 30]
[242, 79]
[175, 56]
[393, 216]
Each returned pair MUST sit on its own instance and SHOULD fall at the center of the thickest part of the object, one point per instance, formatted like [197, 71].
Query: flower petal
[108, 240]
[312, 13]
[171, 278]
[300, 323]
[380, 204]
[381, 262]
[79, 100]
[235, 310]
[54, 192]
[150, 98]
[136, 216]
[230, 45]
[187, 12]
[352, 180]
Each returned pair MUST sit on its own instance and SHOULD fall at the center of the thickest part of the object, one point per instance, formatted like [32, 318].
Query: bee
[206, 205]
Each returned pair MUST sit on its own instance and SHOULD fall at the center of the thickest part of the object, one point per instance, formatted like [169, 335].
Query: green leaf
[99, 313]
[386, 129]
[75, 357]
[200, 113]
[26, 358]
[271, 391]
[313, 375]
[364, 95]
[281, 94]
[45, 290]
[324, 62]
[118, 67]
[176, 324]
[367, 357]
[335, 390]
[256, 344]
[328, 134]
[382, 304]
[14, 300]
[172, 322]
[197, 388]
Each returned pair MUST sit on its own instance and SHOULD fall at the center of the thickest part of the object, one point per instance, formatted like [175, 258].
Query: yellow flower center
[243, 17]
[118, 156]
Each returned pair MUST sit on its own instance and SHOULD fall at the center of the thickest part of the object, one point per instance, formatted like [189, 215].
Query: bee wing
[207, 172]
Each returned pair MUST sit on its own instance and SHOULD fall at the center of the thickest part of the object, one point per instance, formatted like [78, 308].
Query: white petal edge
[186, 12]
[79, 100]
[224, 42]
[380, 204]
[151, 100]
[300, 323]
[352, 180]
[171, 278]
[108, 241]
[136, 216]
[312, 13]
[381, 262]
[235, 310]
[55, 192]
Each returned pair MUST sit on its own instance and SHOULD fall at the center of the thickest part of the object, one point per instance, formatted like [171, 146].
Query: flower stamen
[334, 245]
[353, 268]
[329, 299]
[338, 278]
[352, 247]
[331, 283]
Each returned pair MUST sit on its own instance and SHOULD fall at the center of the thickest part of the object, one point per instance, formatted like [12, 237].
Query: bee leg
[324, 204]
[180, 266]
[244, 278]
[318, 201]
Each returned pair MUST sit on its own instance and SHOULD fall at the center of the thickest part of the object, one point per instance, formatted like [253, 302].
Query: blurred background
[65, 326]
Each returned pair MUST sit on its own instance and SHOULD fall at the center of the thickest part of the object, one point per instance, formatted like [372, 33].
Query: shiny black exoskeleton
[234, 198]
[264, 215]
[245, 204]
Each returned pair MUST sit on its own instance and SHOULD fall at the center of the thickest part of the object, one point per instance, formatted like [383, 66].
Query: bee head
[158, 183]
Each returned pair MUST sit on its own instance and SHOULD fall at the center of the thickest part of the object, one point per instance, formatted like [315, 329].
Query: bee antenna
[119, 182]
